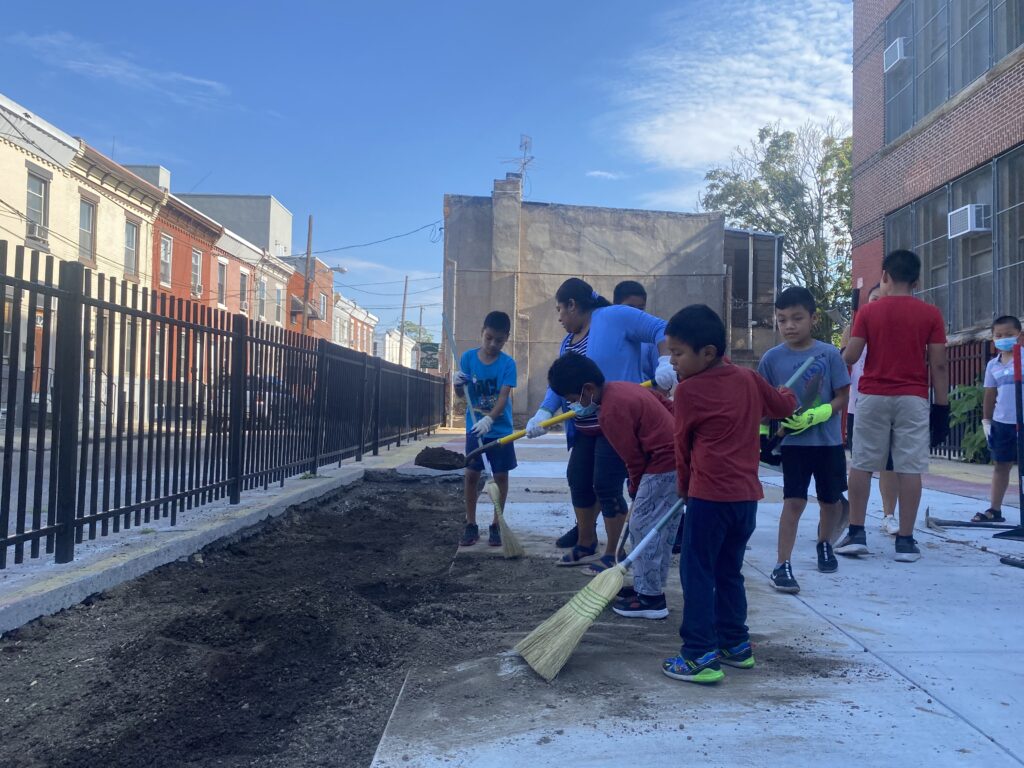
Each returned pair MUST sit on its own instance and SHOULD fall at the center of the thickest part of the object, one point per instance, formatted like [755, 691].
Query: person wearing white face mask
[999, 419]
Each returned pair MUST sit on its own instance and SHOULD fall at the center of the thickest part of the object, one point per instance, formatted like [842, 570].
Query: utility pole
[309, 271]
[419, 339]
[401, 327]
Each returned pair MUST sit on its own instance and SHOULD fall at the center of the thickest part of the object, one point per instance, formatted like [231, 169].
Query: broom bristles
[511, 547]
[550, 645]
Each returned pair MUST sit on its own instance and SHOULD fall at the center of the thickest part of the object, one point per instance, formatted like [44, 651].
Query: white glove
[665, 375]
[461, 379]
[483, 426]
[986, 426]
[533, 427]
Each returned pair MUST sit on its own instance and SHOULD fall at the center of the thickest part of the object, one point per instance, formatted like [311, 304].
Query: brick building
[321, 297]
[938, 157]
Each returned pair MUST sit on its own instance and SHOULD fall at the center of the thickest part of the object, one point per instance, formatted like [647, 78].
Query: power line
[375, 242]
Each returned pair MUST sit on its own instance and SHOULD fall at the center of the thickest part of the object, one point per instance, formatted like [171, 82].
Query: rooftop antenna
[525, 146]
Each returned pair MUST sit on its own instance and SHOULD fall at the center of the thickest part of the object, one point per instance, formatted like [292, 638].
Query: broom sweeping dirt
[550, 645]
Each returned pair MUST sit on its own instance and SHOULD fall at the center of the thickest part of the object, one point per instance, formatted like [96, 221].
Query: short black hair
[628, 288]
[570, 372]
[1007, 320]
[902, 266]
[796, 296]
[698, 326]
[498, 321]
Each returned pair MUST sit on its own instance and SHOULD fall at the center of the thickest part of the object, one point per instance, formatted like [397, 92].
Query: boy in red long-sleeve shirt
[717, 449]
[638, 425]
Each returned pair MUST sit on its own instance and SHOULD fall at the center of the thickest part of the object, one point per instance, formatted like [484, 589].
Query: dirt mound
[440, 458]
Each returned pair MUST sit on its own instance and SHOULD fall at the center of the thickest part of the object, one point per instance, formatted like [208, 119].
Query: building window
[323, 307]
[197, 272]
[972, 254]
[1010, 227]
[37, 208]
[222, 282]
[166, 248]
[243, 291]
[946, 45]
[932, 248]
[131, 248]
[278, 304]
[86, 230]
[261, 298]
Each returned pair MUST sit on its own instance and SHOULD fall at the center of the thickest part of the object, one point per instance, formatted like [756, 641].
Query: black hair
[1008, 320]
[579, 291]
[498, 321]
[698, 326]
[902, 266]
[874, 288]
[796, 296]
[628, 288]
[570, 372]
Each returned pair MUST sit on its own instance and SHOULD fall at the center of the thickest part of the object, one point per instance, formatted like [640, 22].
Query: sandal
[989, 516]
[578, 556]
[600, 565]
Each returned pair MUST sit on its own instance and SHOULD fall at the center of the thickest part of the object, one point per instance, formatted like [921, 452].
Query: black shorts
[825, 463]
[502, 458]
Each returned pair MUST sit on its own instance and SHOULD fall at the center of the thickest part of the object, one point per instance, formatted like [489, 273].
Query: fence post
[237, 406]
[319, 399]
[376, 411]
[68, 351]
[362, 409]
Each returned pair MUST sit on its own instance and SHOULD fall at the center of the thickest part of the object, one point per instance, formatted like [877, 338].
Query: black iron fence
[120, 406]
[966, 363]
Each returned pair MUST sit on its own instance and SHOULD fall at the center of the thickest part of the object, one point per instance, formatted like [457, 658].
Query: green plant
[965, 410]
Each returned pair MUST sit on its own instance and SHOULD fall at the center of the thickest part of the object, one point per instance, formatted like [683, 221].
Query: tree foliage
[416, 332]
[796, 184]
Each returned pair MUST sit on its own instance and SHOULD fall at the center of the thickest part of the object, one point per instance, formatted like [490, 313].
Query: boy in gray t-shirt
[813, 446]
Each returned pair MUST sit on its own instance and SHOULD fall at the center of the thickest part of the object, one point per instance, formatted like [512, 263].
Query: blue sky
[366, 114]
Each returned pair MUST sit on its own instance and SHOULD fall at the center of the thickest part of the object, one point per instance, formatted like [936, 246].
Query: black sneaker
[783, 581]
[493, 536]
[906, 550]
[470, 536]
[740, 656]
[853, 544]
[569, 539]
[827, 562]
[642, 607]
[626, 592]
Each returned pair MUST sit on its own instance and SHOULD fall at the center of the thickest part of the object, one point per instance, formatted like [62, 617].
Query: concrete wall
[260, 219]
[501, 253]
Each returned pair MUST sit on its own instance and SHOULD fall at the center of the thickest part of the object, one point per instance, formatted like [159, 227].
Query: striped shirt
[588, 425]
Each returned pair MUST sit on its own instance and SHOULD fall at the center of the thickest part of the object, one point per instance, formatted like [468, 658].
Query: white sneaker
[890, 525]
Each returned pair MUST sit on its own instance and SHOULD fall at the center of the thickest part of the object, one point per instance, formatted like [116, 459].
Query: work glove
[483, 426]
[533, 427]
[800, 422]
[938, 424]
[461, 379]
[665, 375]
[986, 427]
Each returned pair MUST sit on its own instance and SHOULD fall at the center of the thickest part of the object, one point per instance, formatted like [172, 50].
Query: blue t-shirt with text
[825, 375]
[486, 381]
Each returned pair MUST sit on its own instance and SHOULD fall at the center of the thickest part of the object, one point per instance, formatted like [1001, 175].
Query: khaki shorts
[896, 423]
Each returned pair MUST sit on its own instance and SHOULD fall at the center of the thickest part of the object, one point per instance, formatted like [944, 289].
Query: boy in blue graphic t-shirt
[487, 376]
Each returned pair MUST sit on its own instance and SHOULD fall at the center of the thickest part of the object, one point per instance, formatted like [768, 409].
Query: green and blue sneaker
[704, 670]
[740, 656]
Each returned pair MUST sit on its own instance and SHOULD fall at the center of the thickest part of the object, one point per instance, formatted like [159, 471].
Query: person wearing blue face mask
[613, 337]
[999, 419]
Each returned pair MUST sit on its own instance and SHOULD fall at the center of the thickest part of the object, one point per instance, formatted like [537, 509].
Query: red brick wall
[867, 265]
[186, 234]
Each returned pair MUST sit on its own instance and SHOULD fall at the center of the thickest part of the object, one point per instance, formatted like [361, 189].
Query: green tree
[796, 184]
[416, 333]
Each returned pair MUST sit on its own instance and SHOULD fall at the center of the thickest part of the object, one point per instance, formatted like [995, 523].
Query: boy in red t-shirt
[905, 339]
[638, 425]
[718, 413]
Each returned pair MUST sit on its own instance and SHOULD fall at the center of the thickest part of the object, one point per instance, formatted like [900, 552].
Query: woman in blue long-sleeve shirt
[613, 337]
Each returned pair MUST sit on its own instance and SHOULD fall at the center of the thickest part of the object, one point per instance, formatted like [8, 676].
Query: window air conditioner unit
[38, 231]
[969, 220]
[895, 53]
[197, 289]
[245, 306]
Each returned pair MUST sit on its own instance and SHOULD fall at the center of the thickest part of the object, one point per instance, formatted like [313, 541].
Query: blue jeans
[715, 535]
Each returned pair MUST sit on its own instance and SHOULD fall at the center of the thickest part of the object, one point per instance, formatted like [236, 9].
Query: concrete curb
[71, 585]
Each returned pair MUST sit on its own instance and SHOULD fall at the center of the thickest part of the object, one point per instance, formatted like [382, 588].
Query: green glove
[764, 430]
[799, 422]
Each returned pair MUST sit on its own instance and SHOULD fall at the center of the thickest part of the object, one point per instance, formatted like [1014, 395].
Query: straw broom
[550, 645]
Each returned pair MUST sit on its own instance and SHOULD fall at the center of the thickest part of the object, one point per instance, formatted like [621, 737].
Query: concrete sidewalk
[878, 664]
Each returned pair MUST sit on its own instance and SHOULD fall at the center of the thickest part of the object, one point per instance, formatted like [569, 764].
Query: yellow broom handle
[547, 423]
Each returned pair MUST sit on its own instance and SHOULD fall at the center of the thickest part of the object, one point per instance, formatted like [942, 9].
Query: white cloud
[724, 73]
[609, 175]
[62, 49]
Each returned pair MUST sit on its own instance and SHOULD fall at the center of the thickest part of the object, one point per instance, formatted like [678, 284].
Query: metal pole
[401, 327]
[238, 399]
[419, 340]
[750, 293]
[728, 308]
[309, 271]
[1017, 534]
